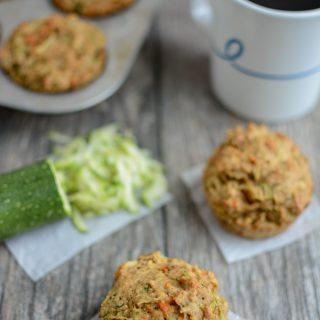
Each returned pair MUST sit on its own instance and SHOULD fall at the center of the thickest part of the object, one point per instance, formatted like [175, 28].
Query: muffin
[257, 183]
[55, 54]
[159, 288]
[93, 8]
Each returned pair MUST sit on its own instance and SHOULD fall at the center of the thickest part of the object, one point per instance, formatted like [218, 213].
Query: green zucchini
[29, 198]
[101, 173]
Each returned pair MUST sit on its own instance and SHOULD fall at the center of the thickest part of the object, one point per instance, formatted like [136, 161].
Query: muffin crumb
[93, 8]
[55, 54]
[257, 182]
[159, 288]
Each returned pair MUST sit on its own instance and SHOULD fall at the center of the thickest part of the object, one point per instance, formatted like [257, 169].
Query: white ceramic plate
[125, 33]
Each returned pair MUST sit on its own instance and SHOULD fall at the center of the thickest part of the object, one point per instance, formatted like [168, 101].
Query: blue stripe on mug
[234, 50]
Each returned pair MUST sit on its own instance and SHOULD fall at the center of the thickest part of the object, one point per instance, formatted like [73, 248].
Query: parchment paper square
[40, 251]
[235, 248]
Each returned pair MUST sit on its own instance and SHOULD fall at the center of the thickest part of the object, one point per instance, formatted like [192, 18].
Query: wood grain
[168, 104]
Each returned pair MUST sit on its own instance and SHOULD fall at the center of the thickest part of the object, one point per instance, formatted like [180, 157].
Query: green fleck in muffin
[257, 182]
[55, 54]
[93, 8]
[159, 288]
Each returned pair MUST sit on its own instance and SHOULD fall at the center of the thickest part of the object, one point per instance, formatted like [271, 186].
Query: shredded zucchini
[106, 172]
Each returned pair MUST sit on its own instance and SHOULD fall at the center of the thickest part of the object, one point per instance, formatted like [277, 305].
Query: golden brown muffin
[93, 8]
[159, 288]
[55, 54]
[257, 182]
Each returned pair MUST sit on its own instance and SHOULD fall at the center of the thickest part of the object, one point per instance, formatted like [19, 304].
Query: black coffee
[289, 5]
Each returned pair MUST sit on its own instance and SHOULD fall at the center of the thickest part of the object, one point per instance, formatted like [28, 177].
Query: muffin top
[155, 287]
[93, 7]
[55, 54]
[258, 176]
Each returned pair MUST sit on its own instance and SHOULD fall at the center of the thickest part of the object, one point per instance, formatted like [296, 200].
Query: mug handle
[202, 14]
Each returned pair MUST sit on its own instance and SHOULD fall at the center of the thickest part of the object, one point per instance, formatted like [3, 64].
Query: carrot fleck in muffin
[93, 8]
[159, 288]
[257, 182]
[55, 54]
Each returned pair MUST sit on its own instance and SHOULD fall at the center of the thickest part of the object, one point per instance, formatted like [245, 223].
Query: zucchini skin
[29, 198]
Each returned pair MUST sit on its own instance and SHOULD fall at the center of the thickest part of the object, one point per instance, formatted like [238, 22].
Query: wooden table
[168, 104]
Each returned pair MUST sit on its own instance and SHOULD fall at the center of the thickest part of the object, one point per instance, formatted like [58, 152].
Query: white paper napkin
[235, 248]
[40, 251]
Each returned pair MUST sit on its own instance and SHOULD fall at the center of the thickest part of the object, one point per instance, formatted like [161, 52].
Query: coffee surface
[289, 5]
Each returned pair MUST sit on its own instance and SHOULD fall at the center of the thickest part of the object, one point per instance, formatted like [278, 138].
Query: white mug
[265, 62]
